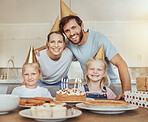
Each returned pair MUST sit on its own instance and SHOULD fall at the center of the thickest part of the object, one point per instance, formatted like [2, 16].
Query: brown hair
[66, 19]
[104, 79]
[56, 32]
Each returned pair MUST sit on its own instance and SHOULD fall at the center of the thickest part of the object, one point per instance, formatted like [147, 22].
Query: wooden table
[139, 115]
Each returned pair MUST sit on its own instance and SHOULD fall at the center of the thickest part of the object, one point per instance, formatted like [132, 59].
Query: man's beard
[81, 36]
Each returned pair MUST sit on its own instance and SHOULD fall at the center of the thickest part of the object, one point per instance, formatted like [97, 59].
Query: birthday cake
[70, 94]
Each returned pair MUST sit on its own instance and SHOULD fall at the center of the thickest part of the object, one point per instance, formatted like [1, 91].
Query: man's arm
[37, 51]
[123, 73]
[41, 48]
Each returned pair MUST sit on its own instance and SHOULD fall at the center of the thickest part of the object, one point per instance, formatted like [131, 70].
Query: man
[85, 45]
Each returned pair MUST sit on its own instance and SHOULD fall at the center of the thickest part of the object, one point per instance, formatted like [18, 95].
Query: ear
[47, 44]
[40, 74]
[82, 26]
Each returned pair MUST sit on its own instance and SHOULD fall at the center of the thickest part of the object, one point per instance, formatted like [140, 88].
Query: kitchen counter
[10, 81]
[138, 115]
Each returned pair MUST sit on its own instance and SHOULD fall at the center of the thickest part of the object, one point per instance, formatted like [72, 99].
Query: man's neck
[84, 39]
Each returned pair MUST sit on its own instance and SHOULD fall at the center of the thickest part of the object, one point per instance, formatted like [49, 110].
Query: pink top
[109, 92]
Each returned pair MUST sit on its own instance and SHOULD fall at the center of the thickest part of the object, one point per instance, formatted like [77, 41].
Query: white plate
[23, 106]
[107, 109]
[27, 113]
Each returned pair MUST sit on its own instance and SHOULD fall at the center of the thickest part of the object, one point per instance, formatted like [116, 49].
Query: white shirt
[23, 91]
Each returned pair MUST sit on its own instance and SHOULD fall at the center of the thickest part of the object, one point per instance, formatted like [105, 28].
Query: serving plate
[107, 109]
[27, 113]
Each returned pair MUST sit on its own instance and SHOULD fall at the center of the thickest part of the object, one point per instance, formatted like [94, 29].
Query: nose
[95, 71]
[71, 32]
[29, 77]
[56, 44]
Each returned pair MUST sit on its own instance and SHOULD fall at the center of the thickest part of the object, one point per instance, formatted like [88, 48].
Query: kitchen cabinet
[133, 55]
[136, 42]
[131, 40]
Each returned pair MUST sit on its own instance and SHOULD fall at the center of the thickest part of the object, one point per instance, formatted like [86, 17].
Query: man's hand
[121, 96]
[37, 52]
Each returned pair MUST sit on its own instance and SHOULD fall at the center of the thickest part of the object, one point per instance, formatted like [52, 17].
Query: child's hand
[121, 96]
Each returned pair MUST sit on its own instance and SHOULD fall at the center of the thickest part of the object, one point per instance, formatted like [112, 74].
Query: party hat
[55, 26]
[65, 10]
[100, 53]
[31, 58]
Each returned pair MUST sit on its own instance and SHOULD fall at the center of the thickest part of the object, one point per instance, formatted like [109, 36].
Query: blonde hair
[37, 65]
[104, 79]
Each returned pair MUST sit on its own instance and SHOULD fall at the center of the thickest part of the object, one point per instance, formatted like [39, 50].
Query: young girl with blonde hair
[97, 80]
[31, 73]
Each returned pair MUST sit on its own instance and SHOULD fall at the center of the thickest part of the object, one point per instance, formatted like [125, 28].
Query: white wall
[15, 39]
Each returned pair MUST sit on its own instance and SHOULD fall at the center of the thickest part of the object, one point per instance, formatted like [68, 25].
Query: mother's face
[56, 44]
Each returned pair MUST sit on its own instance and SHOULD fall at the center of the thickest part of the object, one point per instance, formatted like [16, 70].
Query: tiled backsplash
[76, 72]
[138, 72]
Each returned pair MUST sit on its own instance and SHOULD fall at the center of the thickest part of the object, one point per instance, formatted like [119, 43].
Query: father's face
[73, 31]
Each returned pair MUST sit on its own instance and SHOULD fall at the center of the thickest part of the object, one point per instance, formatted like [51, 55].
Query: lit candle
[80, 83]
[61, 84]
[67, 83]
[75, 84]
[64, 84]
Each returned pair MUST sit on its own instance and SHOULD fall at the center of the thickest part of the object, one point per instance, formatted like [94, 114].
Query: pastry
[106, 102]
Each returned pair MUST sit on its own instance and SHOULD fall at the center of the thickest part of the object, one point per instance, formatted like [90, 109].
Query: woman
[54, 61]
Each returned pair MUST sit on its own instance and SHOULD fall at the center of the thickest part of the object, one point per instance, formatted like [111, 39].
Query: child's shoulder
[17, 89]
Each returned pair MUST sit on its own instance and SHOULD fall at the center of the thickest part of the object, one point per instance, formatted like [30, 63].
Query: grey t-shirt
[54, 71]
[90, 48]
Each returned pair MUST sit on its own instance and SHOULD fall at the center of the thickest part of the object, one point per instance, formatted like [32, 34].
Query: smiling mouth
[74, 37]
[30, 81]
[56, 50]
[95, 75]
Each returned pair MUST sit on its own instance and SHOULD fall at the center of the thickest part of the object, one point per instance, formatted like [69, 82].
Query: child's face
[31, 75]
[95, 71]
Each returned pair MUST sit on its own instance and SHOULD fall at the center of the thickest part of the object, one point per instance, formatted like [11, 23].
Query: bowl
[8, 103]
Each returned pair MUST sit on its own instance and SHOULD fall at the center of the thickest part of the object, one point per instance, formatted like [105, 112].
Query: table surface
[138, 115]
